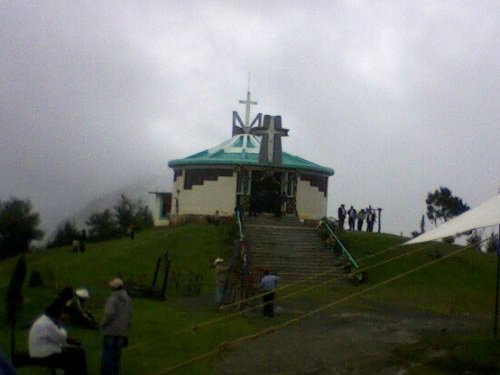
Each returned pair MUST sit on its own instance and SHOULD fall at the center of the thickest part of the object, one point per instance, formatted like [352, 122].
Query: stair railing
[345, 252]
[240, 227]
[242, 255]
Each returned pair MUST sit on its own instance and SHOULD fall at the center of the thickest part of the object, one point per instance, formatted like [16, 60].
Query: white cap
[82, 293]
[116, 283]
[218, 260]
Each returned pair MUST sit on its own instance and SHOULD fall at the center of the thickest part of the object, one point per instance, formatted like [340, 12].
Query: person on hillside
[75, 246]
[78, 312]
[351, 217]
[131, 231]
[370, 219]
[114, 326]
[341, 214]
[48, 342]
[361, 218]
[268, 285]
[83, 240]
[221, 271]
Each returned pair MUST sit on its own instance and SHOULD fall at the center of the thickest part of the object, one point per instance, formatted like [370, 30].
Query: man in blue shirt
[268, 284]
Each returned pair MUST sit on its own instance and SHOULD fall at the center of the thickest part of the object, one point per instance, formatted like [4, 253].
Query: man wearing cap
[114, 326]
[78, 312]
[220, 281]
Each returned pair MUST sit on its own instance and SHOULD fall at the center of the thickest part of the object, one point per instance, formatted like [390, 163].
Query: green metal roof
[243, 149]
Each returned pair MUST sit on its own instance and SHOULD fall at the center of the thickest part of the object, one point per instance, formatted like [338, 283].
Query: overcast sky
[398, 97]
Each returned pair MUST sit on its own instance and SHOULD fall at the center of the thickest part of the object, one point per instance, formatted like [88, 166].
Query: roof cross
[248, 103]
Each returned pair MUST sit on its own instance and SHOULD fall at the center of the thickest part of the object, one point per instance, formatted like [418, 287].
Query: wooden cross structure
[270, 146]
[271, 132]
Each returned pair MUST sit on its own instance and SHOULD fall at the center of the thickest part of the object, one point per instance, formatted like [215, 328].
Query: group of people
[268, 284]
[49, 343]
[356, 219]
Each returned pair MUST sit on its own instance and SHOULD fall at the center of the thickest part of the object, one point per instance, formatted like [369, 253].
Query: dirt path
[339, 343]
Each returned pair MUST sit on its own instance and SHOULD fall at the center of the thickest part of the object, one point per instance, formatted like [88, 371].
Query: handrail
[240, 228]
[344, 250]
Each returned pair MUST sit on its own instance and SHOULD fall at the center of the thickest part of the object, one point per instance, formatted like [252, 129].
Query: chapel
[250, 171]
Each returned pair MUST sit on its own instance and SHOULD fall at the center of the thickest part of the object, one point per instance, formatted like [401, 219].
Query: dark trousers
[351, 224]
[341, 222]
[111, 354]
[268, 307]
[360, 224]
[72, 360]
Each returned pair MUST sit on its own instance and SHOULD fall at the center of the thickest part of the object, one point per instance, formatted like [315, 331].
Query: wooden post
[165, 278]
[155, 276]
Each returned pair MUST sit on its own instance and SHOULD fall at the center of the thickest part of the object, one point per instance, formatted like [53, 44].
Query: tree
[103, 226]
[476, 239]
[14, 298]
[492, 244]
[66, 233]
[129, 212]
[442, 205]
[18, 227]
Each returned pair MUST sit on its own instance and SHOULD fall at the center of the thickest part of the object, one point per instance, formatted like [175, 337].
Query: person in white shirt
[268, 284]
[48, 342]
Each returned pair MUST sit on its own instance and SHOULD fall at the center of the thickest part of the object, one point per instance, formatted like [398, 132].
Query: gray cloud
[398, 98]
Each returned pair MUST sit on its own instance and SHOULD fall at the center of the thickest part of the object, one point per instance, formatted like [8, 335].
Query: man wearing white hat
[78, 312]
[114, 326]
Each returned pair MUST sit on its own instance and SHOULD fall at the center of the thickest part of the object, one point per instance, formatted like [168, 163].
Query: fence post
[155, 277]
[165, 278]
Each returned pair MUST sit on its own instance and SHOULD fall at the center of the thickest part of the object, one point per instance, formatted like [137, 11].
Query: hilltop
[445, 306]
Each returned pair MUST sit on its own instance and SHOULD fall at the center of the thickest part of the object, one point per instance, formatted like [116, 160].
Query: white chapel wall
[205, 199]
[311, 203]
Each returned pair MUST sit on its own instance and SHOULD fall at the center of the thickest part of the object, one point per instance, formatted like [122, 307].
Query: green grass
[160, 336]
[462, 284]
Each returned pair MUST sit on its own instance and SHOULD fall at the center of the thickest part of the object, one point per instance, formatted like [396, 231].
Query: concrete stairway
[287, 247]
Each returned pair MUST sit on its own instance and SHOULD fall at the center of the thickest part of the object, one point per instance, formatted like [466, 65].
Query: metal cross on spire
[240, 127]
[248, 103]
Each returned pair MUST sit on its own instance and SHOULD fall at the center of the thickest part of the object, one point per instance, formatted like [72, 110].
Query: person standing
[370, 219]
[341, 214]
[361, 218]
[114, 327]
[83, 240]
[268, 285]
[352, 217]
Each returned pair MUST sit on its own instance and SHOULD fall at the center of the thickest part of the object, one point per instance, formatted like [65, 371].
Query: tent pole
[495, 327]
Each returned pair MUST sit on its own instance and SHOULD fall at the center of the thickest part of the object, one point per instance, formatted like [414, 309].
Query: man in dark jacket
[114, 326]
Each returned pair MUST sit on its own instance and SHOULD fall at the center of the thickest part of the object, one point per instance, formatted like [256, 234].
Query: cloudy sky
[397, 97]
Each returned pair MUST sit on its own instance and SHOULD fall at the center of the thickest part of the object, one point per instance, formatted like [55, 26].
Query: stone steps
[285, 246]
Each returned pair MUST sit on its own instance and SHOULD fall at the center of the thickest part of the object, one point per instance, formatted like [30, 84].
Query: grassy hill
[161, 336]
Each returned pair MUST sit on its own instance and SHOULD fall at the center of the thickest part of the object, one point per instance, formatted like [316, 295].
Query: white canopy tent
[484, 215]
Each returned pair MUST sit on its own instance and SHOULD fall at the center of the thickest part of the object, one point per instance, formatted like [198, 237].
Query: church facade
[248, 170]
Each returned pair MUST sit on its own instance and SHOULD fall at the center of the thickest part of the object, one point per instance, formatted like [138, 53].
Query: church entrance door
[266, 193]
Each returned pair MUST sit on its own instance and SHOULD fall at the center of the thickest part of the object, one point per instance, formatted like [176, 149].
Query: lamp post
[379, 218]
[495, 324]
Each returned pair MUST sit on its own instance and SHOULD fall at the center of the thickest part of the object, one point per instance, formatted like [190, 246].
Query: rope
[194, 328]
[310, 313]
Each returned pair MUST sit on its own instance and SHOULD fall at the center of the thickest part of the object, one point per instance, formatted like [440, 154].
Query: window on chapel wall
[166, 205]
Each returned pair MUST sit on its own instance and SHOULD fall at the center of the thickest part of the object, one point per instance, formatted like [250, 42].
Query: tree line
[442, 206]
[19, 225]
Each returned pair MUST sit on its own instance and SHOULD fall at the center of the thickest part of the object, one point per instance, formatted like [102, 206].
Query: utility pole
[379, 218]
[495, 326]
